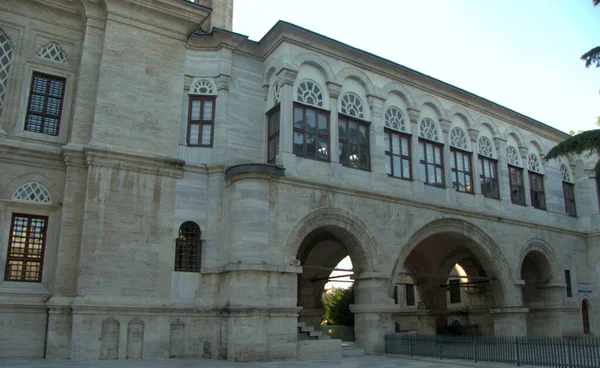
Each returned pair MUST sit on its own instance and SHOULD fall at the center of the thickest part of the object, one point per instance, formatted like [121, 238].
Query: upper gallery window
[536, 182]
[201, 114]
[26, 245]
[188, 248]
[311, 123]
[488, 169]
[460, 161]
[273, 119]
[6, 52]
[431, 167]
[568, 191]
[353, 134]
[44, 108]
[309, 93]
[397, 145]
[515, 176]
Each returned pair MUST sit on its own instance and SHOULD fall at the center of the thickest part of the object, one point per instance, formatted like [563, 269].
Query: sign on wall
[584, 288]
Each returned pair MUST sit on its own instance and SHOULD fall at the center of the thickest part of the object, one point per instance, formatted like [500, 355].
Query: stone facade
[169, 119]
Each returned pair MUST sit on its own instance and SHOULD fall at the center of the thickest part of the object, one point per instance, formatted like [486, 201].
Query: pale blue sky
[522, 54]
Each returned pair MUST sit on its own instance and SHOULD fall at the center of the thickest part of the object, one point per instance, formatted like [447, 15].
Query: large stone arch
[463, 113]
[434, 103]
[403, 92]
[540, 246]
[365, 251]
[359, 76]
[487, 251]
[516, 135]
[314, 60]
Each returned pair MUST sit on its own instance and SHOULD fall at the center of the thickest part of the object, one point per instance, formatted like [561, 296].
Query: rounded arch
[403, 92]
[487, 251]
[463, 113]
[535, 143]
[541, 247]
[364, 249]
[484, 121]
[512, 132]
[359, 76]
[315, 61]
[434, 103]
[271, 68]
[7, 192]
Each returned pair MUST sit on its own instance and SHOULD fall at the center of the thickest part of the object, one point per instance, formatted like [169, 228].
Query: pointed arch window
[488, 169]
[6, 52]
[397, 145]
[460, 162]
[201, 114]
[536, 182]
[568, 191]
[515, 176]
[188, 248]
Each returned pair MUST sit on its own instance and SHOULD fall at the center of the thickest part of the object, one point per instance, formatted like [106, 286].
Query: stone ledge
[163, 166]
[266, 169]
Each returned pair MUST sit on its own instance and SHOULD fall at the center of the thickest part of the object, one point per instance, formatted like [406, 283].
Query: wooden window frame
[454, 290]
[389, 152]
[535, 201]
[569, 284]
[425, 162]
[188, 249]
[455, 172]
[46, 96]
[304, 132]
[26, 257]
[516, 186]
[410, 295]
[569, 195]
[345, 142]
[484, 179]
[273, 134]
[201, 122]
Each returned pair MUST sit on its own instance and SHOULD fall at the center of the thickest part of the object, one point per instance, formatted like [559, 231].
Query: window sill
[399, 178]
[356, 168]
[435, 185]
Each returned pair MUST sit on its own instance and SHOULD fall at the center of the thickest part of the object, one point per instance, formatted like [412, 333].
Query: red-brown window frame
[426, 162]
[26, 257]
[44, 116]
[273, 135]
[467, 157]
[389, 151]
[483, 179]
[516, 186]
[318, 135]
[346, 120]
[570, 206]
[202, 123]
[535, 193]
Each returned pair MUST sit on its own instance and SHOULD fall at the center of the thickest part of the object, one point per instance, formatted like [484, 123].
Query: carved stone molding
[287, 76]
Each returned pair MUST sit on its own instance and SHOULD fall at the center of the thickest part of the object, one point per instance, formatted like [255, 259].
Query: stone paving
[349, 362]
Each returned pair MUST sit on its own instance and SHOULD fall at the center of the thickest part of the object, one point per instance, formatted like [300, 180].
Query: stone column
[286, 111]
[221, 116]
[334, 93]
[376, 140]
[523, 151]
[473, 135]
[510, 321]
[415, 162]
[503, 178]
[372, 310]
[445, 125]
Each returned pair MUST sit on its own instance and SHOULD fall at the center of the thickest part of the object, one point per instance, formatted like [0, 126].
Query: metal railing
[543, 351]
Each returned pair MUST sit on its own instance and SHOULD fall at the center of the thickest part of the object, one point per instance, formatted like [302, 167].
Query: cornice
[42, 156]
[162, 166]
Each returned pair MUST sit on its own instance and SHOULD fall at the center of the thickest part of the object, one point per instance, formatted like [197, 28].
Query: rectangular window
[568, 283]
[26, 245]
[410, 295]
[45, 104]
[432, 164]
[454, 291]
[517, 191]
[536, 185]
[187, 255]
[201, 121]
[272, 134]
[354, 143]
[311, 132]
[397, 154]
[395, 295]
[488, 178]
[569, 194]
[462, 173]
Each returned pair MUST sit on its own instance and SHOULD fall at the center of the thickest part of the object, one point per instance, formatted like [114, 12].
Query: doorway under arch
[585, 316]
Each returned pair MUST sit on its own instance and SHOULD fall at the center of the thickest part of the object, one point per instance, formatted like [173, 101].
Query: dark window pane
[311, 145]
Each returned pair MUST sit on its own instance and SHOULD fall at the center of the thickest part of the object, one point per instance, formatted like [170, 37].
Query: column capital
[413, 115]
[473, 135]
[287, 76]
[523, 151]
[222, 82]
[499, 143]
[334, 89]
[445, 125]
[375, 103]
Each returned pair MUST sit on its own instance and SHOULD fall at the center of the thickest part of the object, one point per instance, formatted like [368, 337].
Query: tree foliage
[593, 56]
[337, 307]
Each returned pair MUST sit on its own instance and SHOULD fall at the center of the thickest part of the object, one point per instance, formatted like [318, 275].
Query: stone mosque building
[169, 188]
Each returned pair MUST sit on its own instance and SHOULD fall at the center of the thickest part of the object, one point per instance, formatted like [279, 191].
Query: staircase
[308, 333]
[313, 345]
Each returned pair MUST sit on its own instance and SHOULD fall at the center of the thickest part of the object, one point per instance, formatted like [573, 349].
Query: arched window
[188, 248]
[201, 114]
[352, 106]
[6, 51]
[488, 169]
[536, 182]
[353, 134]
[431, 159]
[515, 176]
[32, 192]
[568, 191]
[53, 52]
[460, 161]
[273, 119]
[311, 122]
[397, 145]
[309, 93]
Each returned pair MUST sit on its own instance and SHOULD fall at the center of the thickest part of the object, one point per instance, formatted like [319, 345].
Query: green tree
[337, 307]
[593, 56]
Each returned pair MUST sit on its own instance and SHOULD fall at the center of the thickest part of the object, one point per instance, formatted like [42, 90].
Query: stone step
[315, 333]
[349, 350]
[324, 337]
[306, 329]
[301, 324]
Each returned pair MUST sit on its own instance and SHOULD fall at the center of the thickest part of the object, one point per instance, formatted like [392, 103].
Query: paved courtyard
[349, 362]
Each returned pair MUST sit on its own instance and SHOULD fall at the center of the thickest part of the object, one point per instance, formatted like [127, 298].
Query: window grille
[202, 87]
[352, 106]
[394, 119]
[428, 130]
[188, 248]
[44, 109]
[276, 93]
[533, 163]
[454, 286]
[52, 52]
[26, 246]
[458, 139]
[32, 192]
[485, 147]
[6, 51]
[512, 156]
[566, 176]
[410, 295]
[310, 93]
[568, 283]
